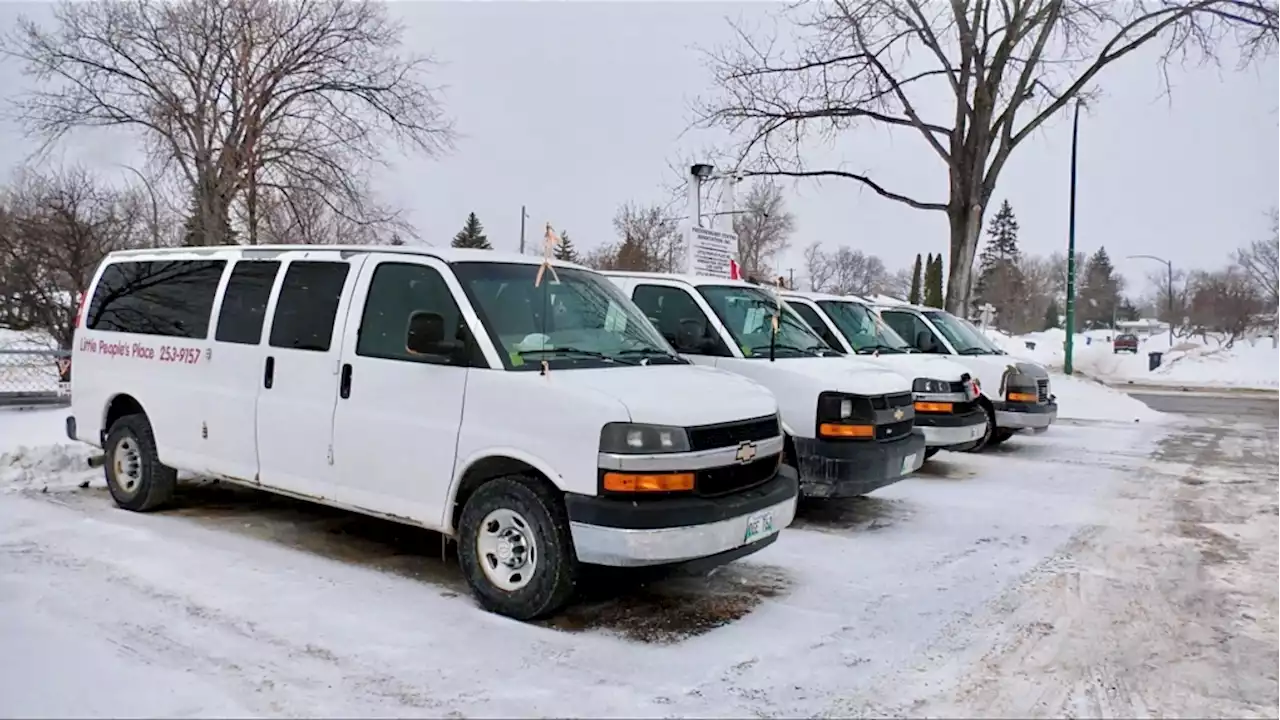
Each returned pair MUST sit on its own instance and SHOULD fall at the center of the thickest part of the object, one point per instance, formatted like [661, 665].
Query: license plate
[759, 525]
[909, 463]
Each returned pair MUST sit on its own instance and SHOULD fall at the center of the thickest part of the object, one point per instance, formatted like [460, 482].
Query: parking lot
[1112, 569]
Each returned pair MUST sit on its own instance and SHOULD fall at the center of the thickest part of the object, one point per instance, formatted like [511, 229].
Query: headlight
[633, 439]
[927, 385]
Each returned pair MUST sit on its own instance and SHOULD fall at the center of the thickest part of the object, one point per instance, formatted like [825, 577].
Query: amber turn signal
[836, 430]
[1021, 397]
[934, 407]
[652, 482]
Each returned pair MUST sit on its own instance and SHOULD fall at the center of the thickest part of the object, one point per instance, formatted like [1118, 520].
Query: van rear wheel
[135, 477]
[515, 548]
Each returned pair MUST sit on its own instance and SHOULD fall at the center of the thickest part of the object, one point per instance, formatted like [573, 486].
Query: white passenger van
[848, 422]
[542, 423]
[1016, 393]
[946, 397]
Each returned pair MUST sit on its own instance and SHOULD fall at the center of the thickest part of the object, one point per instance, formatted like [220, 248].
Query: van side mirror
[425, 336]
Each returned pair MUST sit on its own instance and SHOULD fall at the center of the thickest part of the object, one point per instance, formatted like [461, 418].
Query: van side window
[397, 292]
[308, 305]
[244, 303]
[170, 298]
[810, 316]
[668, 308]
[907, 325]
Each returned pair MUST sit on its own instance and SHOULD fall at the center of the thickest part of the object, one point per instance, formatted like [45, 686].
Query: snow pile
[1082, 399]
[35, 452]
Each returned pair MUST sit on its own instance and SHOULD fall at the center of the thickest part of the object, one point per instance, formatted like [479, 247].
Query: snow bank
[1083, 399]
[35, 452]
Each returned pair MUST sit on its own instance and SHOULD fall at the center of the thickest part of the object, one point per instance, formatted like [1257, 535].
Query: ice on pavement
[219, 613]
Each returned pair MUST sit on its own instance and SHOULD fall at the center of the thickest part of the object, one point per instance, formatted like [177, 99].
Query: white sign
[709, 251]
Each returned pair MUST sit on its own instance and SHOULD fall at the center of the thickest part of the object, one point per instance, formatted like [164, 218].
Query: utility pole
[1168, 288]
[1071, 248]
[523, 216]
[791, 278]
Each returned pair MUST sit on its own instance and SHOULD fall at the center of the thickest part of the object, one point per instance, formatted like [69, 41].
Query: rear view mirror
[425, 336]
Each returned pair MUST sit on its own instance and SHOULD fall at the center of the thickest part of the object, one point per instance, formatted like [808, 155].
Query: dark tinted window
[811, 316]
[171, 298]
[308, 305]
[909, 327]
[399, 290]
[666, 307]
[244, 303]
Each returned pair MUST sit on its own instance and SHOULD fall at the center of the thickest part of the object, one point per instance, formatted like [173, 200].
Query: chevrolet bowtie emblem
[746, 452]
[897, 414]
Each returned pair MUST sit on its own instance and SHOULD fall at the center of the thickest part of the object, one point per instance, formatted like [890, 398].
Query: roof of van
[810, 295]
[695, 280]
[445, 254]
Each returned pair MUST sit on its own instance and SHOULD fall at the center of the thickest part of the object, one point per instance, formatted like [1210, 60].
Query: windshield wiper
[576, 351]
[815, 351]
[974, 351]
[868, 349]
[647, 353]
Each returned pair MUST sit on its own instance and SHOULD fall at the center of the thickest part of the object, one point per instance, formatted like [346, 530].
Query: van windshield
[574, 319]
[746, 313]
[963, 336]
[863, 329]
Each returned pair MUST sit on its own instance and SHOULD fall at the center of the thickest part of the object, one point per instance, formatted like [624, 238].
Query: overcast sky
[574, 108]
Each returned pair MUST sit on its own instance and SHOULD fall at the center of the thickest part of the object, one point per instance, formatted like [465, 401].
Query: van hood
[846, 374]
[920, 365]
[679, 395]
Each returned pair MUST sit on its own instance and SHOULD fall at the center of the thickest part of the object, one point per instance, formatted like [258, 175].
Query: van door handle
[344, 384]
[269, 375]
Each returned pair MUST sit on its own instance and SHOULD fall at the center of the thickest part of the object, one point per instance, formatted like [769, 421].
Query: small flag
[734, 272]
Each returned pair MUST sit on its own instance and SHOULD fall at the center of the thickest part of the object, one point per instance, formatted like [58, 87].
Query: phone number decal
[163, 353]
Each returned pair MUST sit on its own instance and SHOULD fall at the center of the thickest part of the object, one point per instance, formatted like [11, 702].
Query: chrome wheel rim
[126, 461]
[507, 550]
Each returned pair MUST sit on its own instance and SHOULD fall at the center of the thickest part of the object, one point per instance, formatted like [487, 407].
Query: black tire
[145, 484]
[999, 436]
[930, 452]
[555, 573]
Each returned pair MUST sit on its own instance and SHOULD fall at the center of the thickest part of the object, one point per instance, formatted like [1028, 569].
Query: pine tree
[933, 281]
[914, 296]
[1000, 280]
[1051, 314]
[565, 250]
[1099, 293]
[472, 235]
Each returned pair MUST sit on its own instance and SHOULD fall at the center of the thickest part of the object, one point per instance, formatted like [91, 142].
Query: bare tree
[1225, 302]
[898, 284]
[1260, 262]
[650, 241]
[764, 228]
[1007, 66]
[239, 97]
[845, 271]
[55, 228]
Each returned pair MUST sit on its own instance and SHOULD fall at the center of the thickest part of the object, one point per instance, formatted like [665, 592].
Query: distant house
[1143, 327]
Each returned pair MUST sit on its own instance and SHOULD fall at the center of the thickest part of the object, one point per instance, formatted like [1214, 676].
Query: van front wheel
[136, 479]
[515, 548]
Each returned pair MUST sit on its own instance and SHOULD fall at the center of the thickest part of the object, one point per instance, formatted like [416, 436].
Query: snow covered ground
[1192, 362]
[1095, 569]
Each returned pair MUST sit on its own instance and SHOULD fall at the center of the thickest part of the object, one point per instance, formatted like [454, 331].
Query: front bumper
[686, 530]
[835, 468]
[948, 430]
[1022, 416]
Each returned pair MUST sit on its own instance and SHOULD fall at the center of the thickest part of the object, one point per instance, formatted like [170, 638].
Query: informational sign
[711, 252]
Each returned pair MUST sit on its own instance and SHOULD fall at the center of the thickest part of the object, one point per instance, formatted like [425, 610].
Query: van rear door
[299, 372]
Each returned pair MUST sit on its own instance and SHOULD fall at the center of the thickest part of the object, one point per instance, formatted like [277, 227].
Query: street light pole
[1168, 292]
[523, 216]
[1071, 248]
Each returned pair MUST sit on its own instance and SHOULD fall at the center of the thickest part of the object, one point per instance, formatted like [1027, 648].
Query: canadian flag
[734, 273]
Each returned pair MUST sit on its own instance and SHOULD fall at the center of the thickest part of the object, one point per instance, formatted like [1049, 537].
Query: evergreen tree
[1051, 314]
[914, 296]
[472, 235]
[195, 235]
[396, 240]
[565, 250]
[1098, 298]
[1000, 279]
[933, 281]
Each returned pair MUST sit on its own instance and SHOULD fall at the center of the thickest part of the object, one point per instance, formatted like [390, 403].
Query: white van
[534, 416]
[849, 422]
[1015, 391]
[946, 396]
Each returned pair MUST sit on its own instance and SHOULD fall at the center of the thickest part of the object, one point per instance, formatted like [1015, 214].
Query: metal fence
[35, 377]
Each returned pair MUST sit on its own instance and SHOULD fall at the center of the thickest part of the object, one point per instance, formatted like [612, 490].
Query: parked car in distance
[945, 394]
[1125, 342]
[849, 422]
[1015, 392]
[538, 420]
